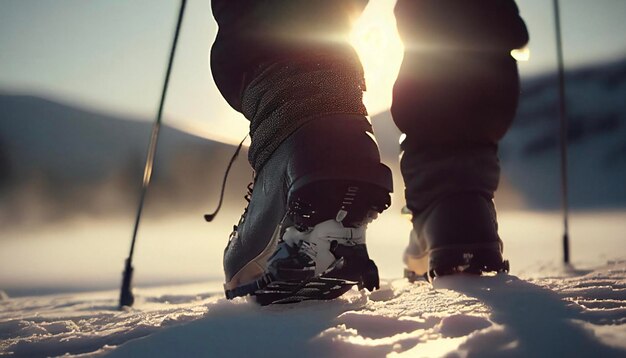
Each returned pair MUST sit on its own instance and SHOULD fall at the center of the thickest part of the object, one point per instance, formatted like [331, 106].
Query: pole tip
[126, 295]
[566, 248]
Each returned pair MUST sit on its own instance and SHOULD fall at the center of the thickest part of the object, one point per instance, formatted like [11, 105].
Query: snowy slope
[579, 314]
[58, 161]
[596, 113]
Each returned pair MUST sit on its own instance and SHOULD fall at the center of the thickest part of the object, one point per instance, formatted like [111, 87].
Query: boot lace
[211, 216]
[248, 197]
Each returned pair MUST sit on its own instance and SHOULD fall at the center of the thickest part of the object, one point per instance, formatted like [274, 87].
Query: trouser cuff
[430, 175]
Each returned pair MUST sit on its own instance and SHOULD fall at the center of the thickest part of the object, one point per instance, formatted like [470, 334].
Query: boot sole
[473, 259]
[323, 287]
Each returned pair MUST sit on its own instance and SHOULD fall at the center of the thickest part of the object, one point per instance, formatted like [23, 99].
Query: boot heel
[350, 202]
[474, 259]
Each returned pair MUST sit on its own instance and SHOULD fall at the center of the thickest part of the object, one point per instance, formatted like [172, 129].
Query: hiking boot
[457, 234]
[302, 235]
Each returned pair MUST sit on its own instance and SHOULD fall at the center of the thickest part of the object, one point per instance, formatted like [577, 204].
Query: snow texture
[573, 314]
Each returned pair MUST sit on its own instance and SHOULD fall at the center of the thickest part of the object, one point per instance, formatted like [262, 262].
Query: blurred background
[80, 83]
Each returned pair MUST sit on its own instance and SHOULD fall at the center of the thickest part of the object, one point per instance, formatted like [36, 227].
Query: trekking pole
[563, 131]
[126, 294]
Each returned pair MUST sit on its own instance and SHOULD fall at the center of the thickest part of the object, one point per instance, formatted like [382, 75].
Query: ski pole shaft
[126, 296]
[563, 131]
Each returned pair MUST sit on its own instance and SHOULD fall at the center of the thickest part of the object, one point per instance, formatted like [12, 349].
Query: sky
[111, 55]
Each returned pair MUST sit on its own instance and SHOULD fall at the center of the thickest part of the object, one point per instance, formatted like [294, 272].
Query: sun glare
[376, 39]
[378, 44]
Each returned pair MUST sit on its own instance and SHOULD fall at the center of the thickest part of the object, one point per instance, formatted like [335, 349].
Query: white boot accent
[317, 240]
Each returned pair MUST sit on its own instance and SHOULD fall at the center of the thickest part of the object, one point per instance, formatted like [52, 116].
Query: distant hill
[596, 105]
[68, 160]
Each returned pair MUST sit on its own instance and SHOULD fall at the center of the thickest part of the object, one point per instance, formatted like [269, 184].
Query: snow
[89, 254]
[541, 309]
[575, 313]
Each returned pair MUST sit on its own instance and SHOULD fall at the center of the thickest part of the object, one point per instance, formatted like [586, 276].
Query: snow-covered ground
[541, 309]
[578, 314]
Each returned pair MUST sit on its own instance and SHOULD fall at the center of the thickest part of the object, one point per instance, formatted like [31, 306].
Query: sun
[375, 38]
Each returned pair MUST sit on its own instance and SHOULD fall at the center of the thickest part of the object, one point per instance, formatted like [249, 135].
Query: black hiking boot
[302, 235]
[458, 234]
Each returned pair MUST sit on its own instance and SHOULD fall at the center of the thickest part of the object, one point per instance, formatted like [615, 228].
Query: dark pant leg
[284, 62]
[456, 94]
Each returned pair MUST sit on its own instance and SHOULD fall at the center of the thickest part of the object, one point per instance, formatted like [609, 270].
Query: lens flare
[376, 40]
